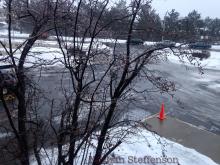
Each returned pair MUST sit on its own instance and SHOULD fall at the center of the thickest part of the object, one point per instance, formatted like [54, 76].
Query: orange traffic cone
[162, 112]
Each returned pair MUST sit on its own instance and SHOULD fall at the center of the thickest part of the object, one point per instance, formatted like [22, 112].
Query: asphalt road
[194, 101]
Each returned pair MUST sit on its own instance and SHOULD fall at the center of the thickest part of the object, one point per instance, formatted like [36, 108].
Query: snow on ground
[49, 56]
[140, 148]
[213, 62]
[216, 47]
[5, 135]
[212, 80]
[214, 86]
[4, 33]
[148, 148]
[1, 4]
[150, 43]
[14, 33]
[38, 55]
[21, 38]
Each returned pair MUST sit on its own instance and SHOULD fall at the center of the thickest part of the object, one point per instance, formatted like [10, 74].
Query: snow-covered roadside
[216, 47]
[147, 148]
[213, 62]
[48, 56]
[155, 147]
[5, 135]
[209, 81]
[149, 43]
[37, 55]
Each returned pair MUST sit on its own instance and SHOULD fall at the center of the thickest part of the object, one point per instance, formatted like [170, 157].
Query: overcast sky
[205, 7]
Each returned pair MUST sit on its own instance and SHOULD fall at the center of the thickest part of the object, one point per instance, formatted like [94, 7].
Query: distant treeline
[115, 21]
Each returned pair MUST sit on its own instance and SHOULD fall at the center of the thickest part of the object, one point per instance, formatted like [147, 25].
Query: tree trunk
[23, 142]
[101, 140]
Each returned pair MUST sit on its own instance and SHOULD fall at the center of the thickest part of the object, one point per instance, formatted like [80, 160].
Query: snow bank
[1, 4]
[14, 33]
[214, 86]
[148, 148]
[216, 47]
[37, 56]
[49, 56]
[213, 62]
[149, 145]
[150, 43]
[5, 135]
